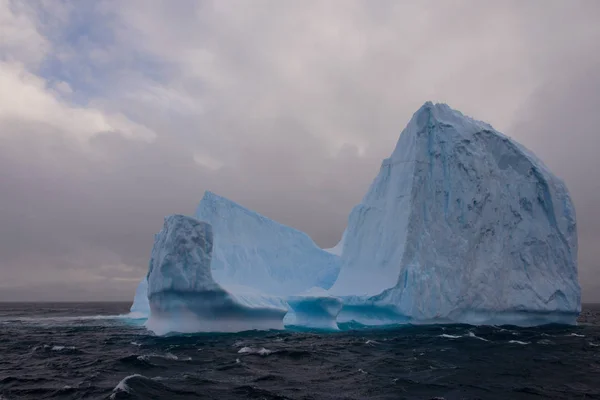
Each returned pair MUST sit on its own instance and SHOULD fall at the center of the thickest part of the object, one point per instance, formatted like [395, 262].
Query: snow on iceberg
[141, 307]
[255, 251]
[462, 224]
[184, 297]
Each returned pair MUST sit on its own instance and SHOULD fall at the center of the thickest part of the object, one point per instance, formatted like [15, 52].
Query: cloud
[21, 41]
[46, 144]
[120, 113]
[26, 97]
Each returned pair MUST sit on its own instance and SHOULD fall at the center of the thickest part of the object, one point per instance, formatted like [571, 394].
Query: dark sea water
[87, 351]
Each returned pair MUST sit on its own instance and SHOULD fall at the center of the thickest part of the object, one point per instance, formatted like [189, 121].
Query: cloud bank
[114, 114]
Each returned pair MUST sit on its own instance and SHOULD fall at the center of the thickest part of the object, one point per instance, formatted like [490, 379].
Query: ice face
[141, 306]
[315, 308]
[184, 297]
[462, 224]
[252, 250]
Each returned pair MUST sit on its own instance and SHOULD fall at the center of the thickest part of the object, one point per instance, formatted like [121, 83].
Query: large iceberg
[462, 224]
[183, 296]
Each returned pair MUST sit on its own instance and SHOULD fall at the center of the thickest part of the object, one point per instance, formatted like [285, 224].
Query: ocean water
[89, 351]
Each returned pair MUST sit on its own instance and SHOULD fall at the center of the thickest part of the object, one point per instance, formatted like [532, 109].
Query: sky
[116, 113]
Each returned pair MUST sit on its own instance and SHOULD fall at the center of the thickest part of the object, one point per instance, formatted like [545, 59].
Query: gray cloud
[287, 108]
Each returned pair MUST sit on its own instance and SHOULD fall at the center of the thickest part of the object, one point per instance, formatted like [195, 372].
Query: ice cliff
[141, 307]
[462, 224]
[253, 250]
[182, 294]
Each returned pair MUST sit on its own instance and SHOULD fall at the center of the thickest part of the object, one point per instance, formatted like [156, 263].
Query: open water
[90, 351]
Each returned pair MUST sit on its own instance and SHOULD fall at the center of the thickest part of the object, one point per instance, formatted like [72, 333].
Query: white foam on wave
[468, 334]
[472, 335]
[545, 342]
[576, 335]
[518, 342]
[122, 386]
[166, 356]
[445, 335]
[56, 347]
[254, 350]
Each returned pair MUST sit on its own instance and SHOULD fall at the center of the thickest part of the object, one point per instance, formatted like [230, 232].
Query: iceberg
[462, 224]
[140, 307]
[183, 295]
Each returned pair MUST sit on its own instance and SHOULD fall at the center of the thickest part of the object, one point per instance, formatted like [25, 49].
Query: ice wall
[141, 307]
[461, 224]
[255, 251]
[184, 297]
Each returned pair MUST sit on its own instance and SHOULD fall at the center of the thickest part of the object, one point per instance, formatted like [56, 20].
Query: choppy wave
[106, 355]
[122, 386]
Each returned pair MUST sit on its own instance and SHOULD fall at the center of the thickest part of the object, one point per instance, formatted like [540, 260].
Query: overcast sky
[115, 113]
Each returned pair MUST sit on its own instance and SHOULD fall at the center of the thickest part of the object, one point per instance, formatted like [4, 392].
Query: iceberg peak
[462, 224]
[438, 116]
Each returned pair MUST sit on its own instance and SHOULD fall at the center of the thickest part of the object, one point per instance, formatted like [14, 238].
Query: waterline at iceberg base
[182, 295]
[461, 225]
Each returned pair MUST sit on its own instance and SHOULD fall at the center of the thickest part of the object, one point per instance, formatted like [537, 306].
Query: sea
[94, 351]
